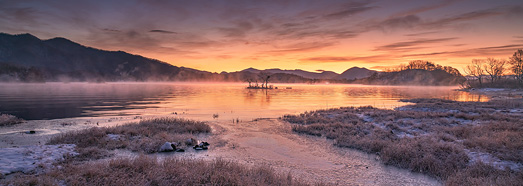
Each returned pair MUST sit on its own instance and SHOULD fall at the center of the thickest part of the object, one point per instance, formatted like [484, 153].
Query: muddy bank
[272, 142]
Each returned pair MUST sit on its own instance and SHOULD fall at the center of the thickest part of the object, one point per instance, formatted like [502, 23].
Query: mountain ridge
[26, 58]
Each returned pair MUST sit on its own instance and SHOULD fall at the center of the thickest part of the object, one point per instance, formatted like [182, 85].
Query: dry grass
[8, 120]
[145, 170]
[482, 174]
[145, 136]
[429, 137]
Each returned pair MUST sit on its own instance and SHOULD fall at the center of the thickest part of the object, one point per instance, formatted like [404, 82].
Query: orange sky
[233, 35]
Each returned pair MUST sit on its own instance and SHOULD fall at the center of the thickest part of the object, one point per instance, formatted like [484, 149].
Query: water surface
[201, 100]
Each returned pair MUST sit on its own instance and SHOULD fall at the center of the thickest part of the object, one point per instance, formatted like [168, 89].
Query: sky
[313, 35]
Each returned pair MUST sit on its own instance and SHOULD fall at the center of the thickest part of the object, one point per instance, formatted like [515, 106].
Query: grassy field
[445, 139]
[145, 137]
[145, 170]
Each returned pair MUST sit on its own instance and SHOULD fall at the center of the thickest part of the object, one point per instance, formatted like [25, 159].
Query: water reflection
[201, 101]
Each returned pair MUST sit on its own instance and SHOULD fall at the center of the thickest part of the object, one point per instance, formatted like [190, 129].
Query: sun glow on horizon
[309, 35]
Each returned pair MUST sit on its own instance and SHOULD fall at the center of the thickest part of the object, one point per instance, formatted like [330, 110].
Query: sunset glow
[310, 35]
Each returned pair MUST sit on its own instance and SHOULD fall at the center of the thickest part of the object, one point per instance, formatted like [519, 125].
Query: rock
[180, 150]
[190, 141]
[204, 144]
[30, 132]
[167, 147]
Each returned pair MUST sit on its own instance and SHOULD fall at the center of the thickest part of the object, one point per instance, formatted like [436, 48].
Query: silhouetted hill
[61, 59]
[350, 74]
[27, 58]
[413, 77]
[356, 73]
[298, 72]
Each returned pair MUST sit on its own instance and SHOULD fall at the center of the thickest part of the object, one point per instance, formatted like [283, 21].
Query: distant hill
[59, 59]
[26, 58]
[350, 74]
[413, 77]
[298, 72]
[356, 73]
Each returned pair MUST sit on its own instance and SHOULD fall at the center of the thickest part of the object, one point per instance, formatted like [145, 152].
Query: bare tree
[249, 80]
[517, 65]
[476, 70]
[264, 76]
[495, 68]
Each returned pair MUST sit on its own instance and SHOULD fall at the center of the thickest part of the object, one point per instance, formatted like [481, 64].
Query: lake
[201, 101]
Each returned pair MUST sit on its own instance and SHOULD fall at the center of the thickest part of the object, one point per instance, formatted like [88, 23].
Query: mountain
[26, 58]
[61, 59]
[414, 77]
[356, 73]
[298, 72]
[350, 74]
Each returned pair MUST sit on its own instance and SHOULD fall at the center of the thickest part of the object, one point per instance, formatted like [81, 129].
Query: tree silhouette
[476, 70]
[495, 68]
[517, 65]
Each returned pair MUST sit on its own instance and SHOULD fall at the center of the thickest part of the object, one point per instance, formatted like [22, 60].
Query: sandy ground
[272, 142]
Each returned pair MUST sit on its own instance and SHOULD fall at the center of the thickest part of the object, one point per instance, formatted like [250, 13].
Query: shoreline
[250, 143]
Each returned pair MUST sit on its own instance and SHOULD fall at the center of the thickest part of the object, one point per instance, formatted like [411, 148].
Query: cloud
[411, 45]
[424, 8]
[474, 15]
[349, 10]
[162, 31]
[501, 50]
[302, 47]
[111, 30]
[422, 33]
[337, 59]
[408, 21]
[238, 31]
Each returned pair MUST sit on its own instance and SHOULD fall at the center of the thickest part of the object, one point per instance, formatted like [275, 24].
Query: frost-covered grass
[145, 170]
[7, 120]
[441, 138]
[145, 136]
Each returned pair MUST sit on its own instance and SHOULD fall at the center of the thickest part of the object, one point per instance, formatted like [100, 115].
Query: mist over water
[202, 100]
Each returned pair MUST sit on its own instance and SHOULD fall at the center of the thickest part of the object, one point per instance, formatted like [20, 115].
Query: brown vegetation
[145, 170]
[7, 120]
[145, 136]
[432, 136]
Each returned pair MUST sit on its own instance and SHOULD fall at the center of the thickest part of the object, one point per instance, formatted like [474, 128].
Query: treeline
[425, 65]
[24, 74]
[496, 73]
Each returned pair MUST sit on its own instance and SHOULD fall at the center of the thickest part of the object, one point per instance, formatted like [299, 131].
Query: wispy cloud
[337, 59]
[302, 47]
[350, 9]
[473, 52]
[162, 31]
[411, 45]
[474, 15]
[422, 34]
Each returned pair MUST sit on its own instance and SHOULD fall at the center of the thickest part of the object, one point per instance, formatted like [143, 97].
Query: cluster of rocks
[170, 147]
[201, 146]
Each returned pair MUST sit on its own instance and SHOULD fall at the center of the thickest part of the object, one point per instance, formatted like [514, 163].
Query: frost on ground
[441, 138]
[27, 158]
